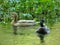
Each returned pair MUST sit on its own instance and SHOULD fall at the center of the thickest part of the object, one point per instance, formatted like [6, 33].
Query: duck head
[42, 22]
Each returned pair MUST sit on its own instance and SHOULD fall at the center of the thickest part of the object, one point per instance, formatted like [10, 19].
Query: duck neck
[15, 18]
[41, 25]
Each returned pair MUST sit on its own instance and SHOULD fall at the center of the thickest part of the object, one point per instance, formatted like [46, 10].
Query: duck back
[42, 30]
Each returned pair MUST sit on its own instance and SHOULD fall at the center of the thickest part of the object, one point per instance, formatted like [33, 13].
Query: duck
[14, 22]
[42, 30]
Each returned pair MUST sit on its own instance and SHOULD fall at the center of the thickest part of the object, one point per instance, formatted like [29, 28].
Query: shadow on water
[21, 33]
[42, 43]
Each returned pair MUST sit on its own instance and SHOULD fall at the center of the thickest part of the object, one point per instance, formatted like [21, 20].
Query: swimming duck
[42, 30]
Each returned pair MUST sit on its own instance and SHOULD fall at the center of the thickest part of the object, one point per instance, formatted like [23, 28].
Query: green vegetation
[49, 9]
